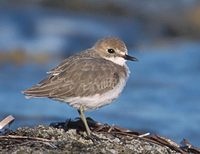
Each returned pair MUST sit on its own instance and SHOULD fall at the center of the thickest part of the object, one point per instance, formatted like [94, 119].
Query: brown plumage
[78, 77]
[87, 80]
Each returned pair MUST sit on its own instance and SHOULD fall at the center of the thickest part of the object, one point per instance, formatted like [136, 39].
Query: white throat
[117, 60]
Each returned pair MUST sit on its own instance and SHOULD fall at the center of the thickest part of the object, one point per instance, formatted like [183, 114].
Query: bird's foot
[93, 137]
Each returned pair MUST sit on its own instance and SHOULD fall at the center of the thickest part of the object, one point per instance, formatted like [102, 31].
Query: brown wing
[66, 63]
[81, 77]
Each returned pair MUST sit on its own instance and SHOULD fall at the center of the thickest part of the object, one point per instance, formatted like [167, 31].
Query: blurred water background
[163, 92]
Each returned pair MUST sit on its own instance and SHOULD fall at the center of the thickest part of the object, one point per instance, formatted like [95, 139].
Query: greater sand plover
[87, 80]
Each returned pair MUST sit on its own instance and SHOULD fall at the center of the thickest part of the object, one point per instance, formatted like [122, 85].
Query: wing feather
[81, 77]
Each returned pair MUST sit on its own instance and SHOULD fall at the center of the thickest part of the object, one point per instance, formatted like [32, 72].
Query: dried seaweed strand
[25, 137]
[154, 139]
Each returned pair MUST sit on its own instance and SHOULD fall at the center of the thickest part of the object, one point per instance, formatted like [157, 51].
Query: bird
[87, 80]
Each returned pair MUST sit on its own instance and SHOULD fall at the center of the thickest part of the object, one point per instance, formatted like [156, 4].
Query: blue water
[162, 94]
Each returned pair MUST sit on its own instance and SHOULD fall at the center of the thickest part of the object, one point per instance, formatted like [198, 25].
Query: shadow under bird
[87, 80]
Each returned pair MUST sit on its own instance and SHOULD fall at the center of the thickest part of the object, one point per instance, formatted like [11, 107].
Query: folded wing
[80, 77]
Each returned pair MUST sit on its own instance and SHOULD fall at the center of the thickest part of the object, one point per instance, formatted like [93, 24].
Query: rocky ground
[69, 138]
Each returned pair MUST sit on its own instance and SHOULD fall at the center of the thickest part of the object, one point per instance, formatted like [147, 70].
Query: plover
[87, 80]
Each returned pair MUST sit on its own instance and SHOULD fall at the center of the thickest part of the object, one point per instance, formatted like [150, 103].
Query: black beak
[127, 57]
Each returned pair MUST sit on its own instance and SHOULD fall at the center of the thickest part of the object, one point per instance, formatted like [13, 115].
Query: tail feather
[36, 92]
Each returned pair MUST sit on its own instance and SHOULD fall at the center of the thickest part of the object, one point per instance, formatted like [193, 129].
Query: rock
[45, 139]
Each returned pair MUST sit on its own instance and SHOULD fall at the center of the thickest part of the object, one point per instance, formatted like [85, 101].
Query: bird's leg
[82, 116]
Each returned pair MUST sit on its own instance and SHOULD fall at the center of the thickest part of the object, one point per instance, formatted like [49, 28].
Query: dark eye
[111, 50]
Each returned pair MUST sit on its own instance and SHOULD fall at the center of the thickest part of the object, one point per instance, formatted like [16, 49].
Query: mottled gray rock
[44, 139]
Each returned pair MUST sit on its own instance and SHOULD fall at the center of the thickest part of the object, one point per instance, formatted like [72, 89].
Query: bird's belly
[97, 100]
